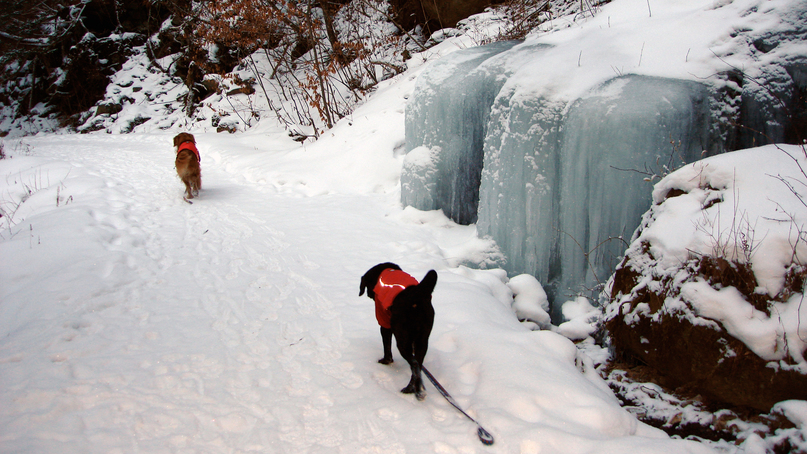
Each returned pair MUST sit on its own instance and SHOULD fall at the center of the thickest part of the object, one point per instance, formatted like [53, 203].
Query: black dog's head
[370, 278]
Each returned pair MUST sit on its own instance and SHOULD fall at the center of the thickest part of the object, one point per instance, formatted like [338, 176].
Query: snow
[131, 321]
[745, 206]
[658, 38]
[738, 317]
[529, 300]
[795, 410]
[582, 319]
[756, 180]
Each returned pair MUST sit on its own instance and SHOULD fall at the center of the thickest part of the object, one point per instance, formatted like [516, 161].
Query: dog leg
[419, 354]
[415, 385]
[406, 348]
[386, 340]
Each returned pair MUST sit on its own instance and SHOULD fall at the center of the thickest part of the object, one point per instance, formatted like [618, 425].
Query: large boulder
[710, 292]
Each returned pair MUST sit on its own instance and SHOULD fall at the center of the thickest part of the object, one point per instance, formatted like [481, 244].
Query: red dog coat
[390, 283]
[190, 146]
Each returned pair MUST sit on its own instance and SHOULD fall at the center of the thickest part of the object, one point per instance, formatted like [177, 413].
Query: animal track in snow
[385, 414]
[446, 343]
[316, 304]
[308, 264]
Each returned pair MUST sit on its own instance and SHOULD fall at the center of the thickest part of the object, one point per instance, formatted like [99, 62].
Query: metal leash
[484, 436]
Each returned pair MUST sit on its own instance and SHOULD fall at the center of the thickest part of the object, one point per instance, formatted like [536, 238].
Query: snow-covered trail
[131, 321]
[226, 322]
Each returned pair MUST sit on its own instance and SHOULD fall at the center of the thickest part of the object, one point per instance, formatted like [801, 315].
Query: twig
[235, 110]
[587, 254]
[641, 54]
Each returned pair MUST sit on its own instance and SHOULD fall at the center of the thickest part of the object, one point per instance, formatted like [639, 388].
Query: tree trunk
[327, 14]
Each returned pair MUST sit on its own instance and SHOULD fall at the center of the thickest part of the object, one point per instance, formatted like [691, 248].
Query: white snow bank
[758, 218]
[693, 40]
[529, 300]
[746, 206]
[794, 410]
[581, 319]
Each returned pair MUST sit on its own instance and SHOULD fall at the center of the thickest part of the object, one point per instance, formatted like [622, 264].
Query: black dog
[403, 309]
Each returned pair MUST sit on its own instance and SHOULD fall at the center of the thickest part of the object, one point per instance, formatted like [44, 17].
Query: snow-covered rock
[529, 300]
[711, 290]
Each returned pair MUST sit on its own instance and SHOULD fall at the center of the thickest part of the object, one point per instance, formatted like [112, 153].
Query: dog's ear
[368, 282]
[370, 278]
[363, 285]
[429, 281]
[384, 266]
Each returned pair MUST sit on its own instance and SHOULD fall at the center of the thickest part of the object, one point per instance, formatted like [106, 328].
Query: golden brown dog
[187, 163]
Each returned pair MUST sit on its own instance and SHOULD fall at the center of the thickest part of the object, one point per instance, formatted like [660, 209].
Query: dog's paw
[385, 360]
[420, 394]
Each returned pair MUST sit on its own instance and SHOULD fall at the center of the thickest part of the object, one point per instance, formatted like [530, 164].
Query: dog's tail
[426, 286]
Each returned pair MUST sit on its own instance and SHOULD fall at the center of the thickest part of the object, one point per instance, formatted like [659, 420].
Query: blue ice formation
[560, 186]
[449, 114]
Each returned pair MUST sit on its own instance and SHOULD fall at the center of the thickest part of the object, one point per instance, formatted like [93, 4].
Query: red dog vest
[190, 146]
[390, 283]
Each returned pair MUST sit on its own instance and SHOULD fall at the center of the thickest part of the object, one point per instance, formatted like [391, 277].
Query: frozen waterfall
[562, 193]
[559, 185]
[448, 114]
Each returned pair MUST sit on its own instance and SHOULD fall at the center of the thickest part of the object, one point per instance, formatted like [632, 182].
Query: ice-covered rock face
[519, 196]
[627, 129]
[559, 185]
[546, 144]
[561, 193]
[449, 111]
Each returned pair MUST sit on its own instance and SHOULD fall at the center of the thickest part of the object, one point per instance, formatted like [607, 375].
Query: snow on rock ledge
[710, 292]
[529, 300]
